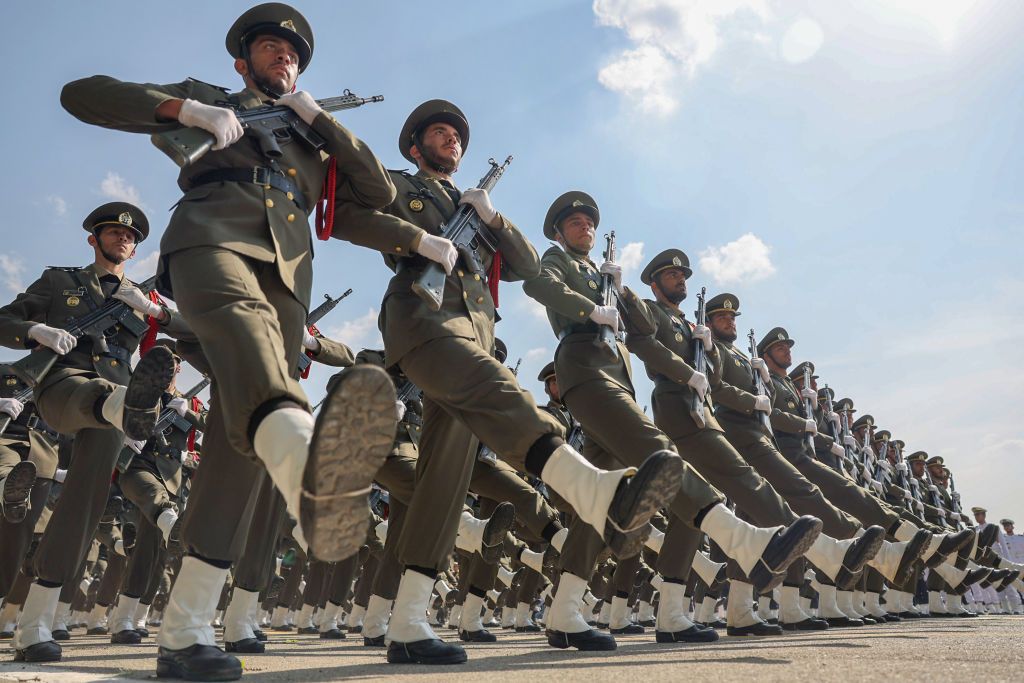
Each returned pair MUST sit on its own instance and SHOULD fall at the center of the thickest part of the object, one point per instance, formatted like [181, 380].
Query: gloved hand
[178, 405]
[704, 334]
[615, 271]
[12, 407]
[303, 104]
[190, 460]
[220, 121]
[699, 382]
[480, 200]
[807, 392]
[835, 419]
[381, 531]
[837, 450]
[877, 486]
[134, 445]
[762, 369]
[763, 403]
[866, 473]
[901, 467]
[399, 410]
[907, 495]
[810, 427]
[58, 340]
[309, 342]
[439, 250]
[60, 475]
[848, 440]
[606, 315]
[133, 296]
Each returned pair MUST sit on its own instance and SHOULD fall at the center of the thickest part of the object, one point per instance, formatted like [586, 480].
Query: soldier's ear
[241, 67]
[415, 153]
[92, 240]
[134, 248]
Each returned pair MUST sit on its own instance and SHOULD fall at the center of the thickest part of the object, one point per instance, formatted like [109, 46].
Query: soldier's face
[552, 387]
[672, 284]
[723, 326]
[1008, 528]
[781, 355]
[274, 61]
[114, 243]
[440, 147]
[979, 517]
[578, 231]
[917, 467]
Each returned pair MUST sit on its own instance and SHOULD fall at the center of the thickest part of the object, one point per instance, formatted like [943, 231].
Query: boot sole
[17, 489]
[353, 435]
[149, 381]
[500, 523]
[865, 548]
[654, 485]
[806, 531]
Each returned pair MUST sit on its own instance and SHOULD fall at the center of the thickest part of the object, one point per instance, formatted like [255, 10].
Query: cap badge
[727, 305]
[676, 261]
[287, 23]
[125, 218]
[577, 202]
[781, 336]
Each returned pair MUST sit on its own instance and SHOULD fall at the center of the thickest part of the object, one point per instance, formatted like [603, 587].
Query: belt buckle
[32, 421]
[257, 178]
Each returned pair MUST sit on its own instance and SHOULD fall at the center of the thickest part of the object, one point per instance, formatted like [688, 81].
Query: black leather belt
[579, 328]
[117, 352]
[257, 175]
[34, 422]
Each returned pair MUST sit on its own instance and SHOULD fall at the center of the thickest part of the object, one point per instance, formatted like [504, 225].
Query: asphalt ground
[987, 648]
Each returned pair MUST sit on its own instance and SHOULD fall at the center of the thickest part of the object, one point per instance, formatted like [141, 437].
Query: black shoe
[638, 498]
[355, 629]
[973, 577]
[95, 631]
[113, 508]
[283, 628]
[789, 545]
[374, 642]
[987, 536]
[126, 637]
[481, 636]
[760, 628]
[308, 630]
[717, 624]
[249, 646]
[587, 641]
[628, 630]
[892, 618]
[863, 549]
[869, 620]
[143, 632]
[6, 635]
[198, 662]
[40, 652]
[911, 554]
[601, 627]
[426, 652]
[61, 634]
[129, 533]
[17, 489]
[333, 634]
[1013, 576]
[532, 628]
[150, 379]
[910, 615]
[260, 635]
[843, 622]
[810, 624]
[492, 545]
[952, 543]
[694, 634]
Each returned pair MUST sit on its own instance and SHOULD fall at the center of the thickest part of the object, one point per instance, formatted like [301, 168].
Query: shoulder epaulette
[401, 171]
[66, 269]
[216, 87]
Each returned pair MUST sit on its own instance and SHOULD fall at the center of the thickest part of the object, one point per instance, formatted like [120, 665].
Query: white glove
[606, 315]
[866, 473]
[399, 410]
[615, 271]
[955, 496]
[934, 489]
[807, 392]
[699, 382]
[60, 475]
[439, 250]
[834, 417]
[837, 450]
[178, 405]
[309, 342]
[810, 427]
[303, 104]
[877, 486]
[704, 334]
[134, 445]
[190, 460]
[907, 495]
[901, 467]
[762, 369]
[220, 121]
[12, 407]
[381, 531]
[133, 296]
[763, 403]
[481, 201]
[58, 340]
[848, 440]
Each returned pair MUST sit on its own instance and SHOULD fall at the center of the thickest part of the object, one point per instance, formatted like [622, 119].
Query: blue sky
[850, 170]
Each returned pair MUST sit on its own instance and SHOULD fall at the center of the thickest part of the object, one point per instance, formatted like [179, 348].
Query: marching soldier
[236, 256]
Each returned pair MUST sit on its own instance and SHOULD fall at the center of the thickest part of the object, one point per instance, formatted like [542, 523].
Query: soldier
[90, 393]
[669, 356]
[482, 397]
[597, 388]
[237, 256]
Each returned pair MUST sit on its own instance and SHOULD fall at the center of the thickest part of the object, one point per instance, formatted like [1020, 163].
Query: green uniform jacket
[259, 222]
[467, 309]
[42, 446]
[54, 299]
[787, 414]
[167, 458]
[569, 287]
[668, 354]
[734, 395]
[333, 353]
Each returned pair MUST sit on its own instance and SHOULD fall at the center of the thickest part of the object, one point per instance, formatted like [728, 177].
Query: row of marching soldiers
[743, 473]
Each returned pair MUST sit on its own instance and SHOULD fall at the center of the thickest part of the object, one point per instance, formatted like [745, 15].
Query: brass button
[462, 274]
[479, 299]
[114, 363]
[582, 314]
[95, 359]
[465, 295]
[398, 250]
[266, 187]
[292, 172]
[289, 195]
[270, 203]
[476, 276]
[17, 339]
[291, 217]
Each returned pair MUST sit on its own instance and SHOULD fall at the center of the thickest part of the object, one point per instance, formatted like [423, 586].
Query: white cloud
[140, 269]
[630, 258]
[59, 206]
[673, 40]
[117, 189]
[359, 333]
[11, 270]
[537, 354]
[801, 41]
[746, 259]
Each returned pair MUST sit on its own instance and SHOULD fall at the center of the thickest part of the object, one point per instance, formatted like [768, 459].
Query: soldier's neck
[775, 368]
[434, 173]
[105, 266]
[664, 300]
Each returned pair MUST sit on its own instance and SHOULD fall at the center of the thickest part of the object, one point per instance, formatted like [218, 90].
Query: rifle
[267, 124]
[469, 235]
[167, 420]
[606, 340]
[700, 362]
[858, 473]
[808, 406]
[407, 392]
[759, 388]
[314, 317]
[94, 325]
[912, 495]
[933, 491]
[575, 436]
[515, 370]
[954, 495]
[22, 396]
